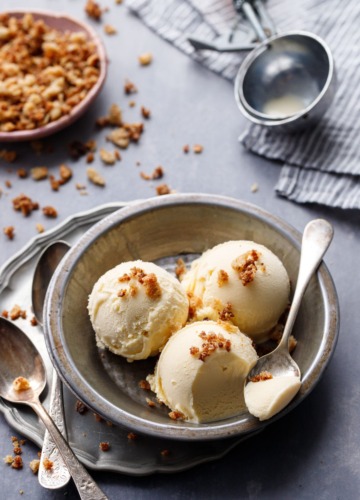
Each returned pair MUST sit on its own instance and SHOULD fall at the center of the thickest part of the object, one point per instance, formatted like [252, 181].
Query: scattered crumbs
[104, 446]
[109, 157]
[246, 267]
[39, 228]
[33, 321]
[186, 148]
[22, 173]
[260, 377]
[17, 463]
[94, 177]
[16, 313]
[198, 148]
[80, 407]
[129, 87]
[212, 342]
[8, 184]
[180, 268]
[90, 157]
[157, 173]
[132, 104]
[223, 278]
[162, 189]
[5, 313]
[9, 459]
[48, 464]
[34, 465]
[254, 187]
[50, 212]
[24, 204]
[9, 232]
[176, 415]
[145, 59]
[226, 314]
[21, 384]
[132, 436]
[145, 112]
[150, 403]
[65, 173]
[144, 384]
[93, 10]
[8, 155]
[39, 173]
[109, 29]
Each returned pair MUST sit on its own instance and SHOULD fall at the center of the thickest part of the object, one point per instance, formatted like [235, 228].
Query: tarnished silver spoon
[20, 358]
[275, 379]
[59, 475]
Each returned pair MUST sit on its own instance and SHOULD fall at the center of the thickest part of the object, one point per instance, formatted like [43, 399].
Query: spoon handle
[86, 486]
[60, 474]
[316, 239]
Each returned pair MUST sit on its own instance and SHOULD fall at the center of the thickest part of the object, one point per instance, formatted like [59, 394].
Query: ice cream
[240, 281]
[201, 371]
[265, 398]
[135, 307]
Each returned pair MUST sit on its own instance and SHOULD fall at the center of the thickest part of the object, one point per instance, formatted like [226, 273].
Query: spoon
[19, 357]
[275, 379]
[44, 270]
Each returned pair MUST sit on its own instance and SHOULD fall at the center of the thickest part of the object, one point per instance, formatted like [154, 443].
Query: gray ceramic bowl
[62, 22]
[159, 229]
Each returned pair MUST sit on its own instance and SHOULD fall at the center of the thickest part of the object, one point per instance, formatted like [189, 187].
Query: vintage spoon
[20, 358]
[275, 379]
[45, 267]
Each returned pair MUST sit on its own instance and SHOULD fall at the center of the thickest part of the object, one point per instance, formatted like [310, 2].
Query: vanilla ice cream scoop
[135, 307]
[201, 371]
[240, 281]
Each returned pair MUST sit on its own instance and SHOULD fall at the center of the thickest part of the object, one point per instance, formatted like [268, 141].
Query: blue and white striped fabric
[321, 165]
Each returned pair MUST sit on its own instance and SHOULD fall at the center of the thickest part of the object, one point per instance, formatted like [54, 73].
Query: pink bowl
[62, 22]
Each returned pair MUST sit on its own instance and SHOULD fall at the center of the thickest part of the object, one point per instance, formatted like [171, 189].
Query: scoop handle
[86, 486]
[316, 239]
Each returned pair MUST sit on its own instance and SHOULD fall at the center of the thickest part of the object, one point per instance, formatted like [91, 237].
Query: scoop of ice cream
[135, 307]
[265, 398]
[201, 371]
[240, 281]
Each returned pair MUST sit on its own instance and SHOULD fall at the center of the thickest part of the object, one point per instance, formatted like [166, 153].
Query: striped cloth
[321, 165]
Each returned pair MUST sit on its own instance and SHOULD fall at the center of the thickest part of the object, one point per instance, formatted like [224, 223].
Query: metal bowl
[160, 229]
[62, 22]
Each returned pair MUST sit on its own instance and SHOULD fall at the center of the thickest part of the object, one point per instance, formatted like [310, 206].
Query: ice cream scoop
[241, 281]
[135, 307]
[201, 371]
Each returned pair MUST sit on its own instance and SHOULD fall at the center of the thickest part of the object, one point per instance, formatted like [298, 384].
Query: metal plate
[136, 457]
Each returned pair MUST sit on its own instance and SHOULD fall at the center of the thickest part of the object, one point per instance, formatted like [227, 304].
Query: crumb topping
[212, 342]
[148, 281]
[246, 266]
[180, 269]
[226, 314]
[48, 464]
[223, 278]
[21, 384]
[176, 415]
[260, 377]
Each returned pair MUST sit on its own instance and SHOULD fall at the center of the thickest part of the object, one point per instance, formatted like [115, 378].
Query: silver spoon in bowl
[45, 268]
[275, 379]
[19, 357]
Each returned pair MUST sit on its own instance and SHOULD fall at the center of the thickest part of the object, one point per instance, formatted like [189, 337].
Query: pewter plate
[160, 229]
[139, 457]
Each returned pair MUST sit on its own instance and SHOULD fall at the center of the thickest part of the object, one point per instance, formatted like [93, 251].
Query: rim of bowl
[78, 110]
[215, 430]
[262, 118]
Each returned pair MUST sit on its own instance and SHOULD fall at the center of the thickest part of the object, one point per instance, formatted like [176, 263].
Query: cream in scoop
[201, 371]
[135, 307]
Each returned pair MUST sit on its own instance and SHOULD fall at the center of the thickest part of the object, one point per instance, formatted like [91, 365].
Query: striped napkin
[321, 165]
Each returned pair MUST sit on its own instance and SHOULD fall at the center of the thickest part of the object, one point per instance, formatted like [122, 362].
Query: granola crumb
[109, 157]
[24, 204]
[8, 459]
[223, 278]
[226, 314]
[48, 464]
[39, 228]
[212, 342]
[260, 377]
[158, 173]
[34, 465]
[34, 321]
[22, 173]
[145, 59]
[94, 177]
[163, 189]
[150, 402]
[186, 148]
[8, 184]
[104, 446]
[90, 157]
[109, 29]
[198, 148]
[17, 463]
[93, 10]
[16, 313]
[9, 231]
[50, 212]
[21, 384]
[129, 87]
[65, 173]
[145, 112]
[176, 415]
[39, 173]
[132, 104]
[144, 384]
[246, 266]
